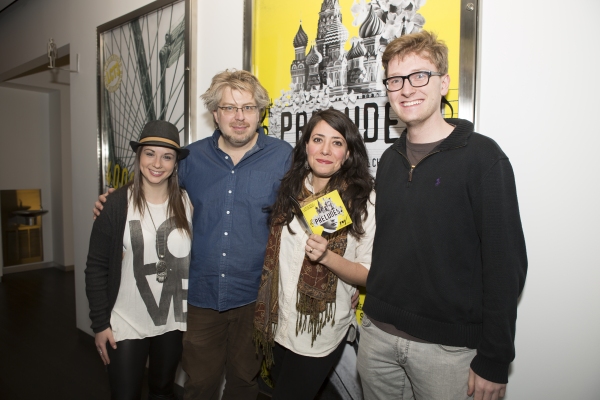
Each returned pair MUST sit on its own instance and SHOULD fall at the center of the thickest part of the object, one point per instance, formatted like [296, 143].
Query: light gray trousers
[391, 367]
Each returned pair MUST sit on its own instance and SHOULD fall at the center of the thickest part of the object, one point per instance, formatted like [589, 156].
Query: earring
[306, 166]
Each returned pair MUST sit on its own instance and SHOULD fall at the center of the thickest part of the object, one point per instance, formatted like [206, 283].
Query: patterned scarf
[315, 303]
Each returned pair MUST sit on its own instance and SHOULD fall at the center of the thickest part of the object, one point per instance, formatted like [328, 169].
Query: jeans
[128, 362]
[218, 342]
[391, 367]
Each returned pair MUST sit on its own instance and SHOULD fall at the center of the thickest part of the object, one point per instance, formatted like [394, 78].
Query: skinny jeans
[128, 362]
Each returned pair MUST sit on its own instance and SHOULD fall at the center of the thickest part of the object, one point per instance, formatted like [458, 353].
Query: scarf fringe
[264, 342]
[311, 320]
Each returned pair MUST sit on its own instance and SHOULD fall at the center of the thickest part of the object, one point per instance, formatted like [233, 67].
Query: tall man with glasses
[231, 178]
[449, 260]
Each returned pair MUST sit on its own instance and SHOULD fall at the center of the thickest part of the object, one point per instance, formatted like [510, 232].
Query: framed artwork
[143, 75]
[316, 54]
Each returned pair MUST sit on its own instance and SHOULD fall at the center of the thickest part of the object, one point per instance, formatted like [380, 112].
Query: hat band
[159, 139]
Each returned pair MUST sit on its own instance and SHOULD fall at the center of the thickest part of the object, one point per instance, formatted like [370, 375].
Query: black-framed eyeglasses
[416, 79]
[231, 110]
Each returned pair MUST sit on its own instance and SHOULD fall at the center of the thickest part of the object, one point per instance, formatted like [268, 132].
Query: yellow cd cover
[326, 214]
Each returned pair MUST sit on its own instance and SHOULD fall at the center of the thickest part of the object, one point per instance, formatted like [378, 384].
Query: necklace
[161, 265]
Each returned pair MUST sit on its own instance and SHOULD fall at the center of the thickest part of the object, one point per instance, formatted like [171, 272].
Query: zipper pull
[412, 168]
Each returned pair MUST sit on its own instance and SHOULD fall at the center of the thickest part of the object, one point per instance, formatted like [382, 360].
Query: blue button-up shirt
[230, 228]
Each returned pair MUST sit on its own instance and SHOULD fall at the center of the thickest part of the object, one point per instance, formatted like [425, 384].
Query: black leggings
[297, 377]
[128, 362]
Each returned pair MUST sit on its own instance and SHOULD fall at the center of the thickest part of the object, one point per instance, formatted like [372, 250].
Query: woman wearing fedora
[137, 269]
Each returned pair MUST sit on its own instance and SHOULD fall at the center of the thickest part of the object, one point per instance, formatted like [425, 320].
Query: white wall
[22, 138]
[544, 123]
[548, 126]
[218, 49]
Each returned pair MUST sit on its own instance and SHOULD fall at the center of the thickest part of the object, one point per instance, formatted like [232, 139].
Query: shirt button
[224, 254]
[226, 233]
[229, 191]
[222, 275]
[232, 172]
[227, 157]
[228, 212]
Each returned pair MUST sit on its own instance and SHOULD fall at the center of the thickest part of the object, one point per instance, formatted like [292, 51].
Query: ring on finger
[310, 250]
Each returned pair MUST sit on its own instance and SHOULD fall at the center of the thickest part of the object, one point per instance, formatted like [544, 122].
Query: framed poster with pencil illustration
[143, 75]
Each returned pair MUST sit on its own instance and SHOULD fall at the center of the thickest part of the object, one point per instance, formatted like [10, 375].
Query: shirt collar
[308, 184]
[457, 138]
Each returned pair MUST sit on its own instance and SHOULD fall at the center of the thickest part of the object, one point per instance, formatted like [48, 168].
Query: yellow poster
[317, 54]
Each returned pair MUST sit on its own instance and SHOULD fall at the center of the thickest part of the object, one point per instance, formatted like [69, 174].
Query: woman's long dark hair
[352, 180]
[175, 208]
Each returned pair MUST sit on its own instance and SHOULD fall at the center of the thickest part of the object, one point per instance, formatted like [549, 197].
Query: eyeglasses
[416, 79]
[231, 110]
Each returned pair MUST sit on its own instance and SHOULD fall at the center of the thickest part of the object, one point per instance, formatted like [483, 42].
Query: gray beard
[238, 141]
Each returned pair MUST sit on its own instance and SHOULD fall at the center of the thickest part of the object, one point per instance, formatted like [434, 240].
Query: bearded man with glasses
[449, 258]
[232, 178]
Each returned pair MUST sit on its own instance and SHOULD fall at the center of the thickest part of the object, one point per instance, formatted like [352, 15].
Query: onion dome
[301, 38]
[314, 57]
[372, 26]
[336, 33]
[349, 54]
[357, 50]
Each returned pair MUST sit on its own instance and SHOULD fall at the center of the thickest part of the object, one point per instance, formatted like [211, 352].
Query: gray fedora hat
[163, 134]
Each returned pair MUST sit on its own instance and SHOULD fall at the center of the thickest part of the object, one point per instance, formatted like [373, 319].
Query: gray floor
[43, 355]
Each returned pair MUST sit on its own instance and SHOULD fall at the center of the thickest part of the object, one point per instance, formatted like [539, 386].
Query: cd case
[325, 215]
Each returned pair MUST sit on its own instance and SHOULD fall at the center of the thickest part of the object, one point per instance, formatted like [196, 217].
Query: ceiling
[5, 3]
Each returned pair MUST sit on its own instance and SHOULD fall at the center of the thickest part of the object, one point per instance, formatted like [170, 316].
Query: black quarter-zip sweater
[449, 259]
